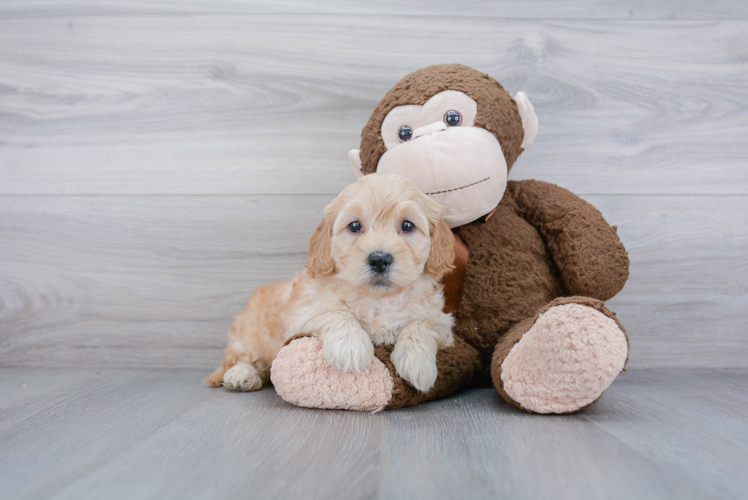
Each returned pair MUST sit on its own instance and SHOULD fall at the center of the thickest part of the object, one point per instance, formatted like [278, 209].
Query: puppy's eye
[354, 226]
[405, 134]
[452, 118]
[408, 227]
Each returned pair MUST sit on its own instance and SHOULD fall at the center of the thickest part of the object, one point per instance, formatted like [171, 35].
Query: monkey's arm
[302, 376]
[586, 249]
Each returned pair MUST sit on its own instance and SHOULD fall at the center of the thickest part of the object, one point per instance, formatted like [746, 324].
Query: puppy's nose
[379, 262]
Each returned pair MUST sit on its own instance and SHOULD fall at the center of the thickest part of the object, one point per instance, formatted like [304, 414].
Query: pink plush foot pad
[302, 376]
[565, 361]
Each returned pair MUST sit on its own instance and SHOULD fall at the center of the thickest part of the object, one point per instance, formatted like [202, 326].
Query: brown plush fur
[541, 244]
[512, 273]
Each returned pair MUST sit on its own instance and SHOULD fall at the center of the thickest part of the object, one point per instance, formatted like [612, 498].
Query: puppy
[375, 263]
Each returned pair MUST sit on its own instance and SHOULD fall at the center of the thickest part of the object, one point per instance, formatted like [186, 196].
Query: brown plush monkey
[534, 262]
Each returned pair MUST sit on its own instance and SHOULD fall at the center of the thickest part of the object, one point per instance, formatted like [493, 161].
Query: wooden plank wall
[159, 160]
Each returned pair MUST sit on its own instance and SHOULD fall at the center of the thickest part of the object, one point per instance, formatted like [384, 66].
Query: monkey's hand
[303, 377]
[586, 249]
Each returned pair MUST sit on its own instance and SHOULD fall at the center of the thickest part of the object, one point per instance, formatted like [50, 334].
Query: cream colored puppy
[375, 263]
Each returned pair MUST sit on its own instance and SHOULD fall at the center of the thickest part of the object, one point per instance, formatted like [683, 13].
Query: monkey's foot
[563, 360]
[303, 377]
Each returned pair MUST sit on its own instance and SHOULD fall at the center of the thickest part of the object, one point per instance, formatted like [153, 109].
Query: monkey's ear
[529, 119]
[354, 156]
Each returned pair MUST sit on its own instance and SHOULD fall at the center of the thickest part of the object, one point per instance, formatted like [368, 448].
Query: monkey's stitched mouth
[458, 188]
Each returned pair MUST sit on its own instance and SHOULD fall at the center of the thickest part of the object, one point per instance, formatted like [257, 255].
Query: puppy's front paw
[415, 363]
[348, 350]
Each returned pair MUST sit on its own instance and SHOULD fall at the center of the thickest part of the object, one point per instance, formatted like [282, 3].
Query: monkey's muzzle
[462, 168]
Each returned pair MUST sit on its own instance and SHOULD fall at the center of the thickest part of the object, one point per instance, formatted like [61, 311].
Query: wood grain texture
[154, 281]
[140, 280]
[523, 9]
[78, 428]
[475, 439]
[227, 103]
[686, 299]
[682, 420]
[160, 160]
[161, 434]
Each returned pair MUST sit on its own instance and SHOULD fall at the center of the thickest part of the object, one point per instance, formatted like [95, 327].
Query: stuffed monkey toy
[533, 265]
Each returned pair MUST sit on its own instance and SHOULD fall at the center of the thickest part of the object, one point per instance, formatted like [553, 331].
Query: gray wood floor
[79, 434]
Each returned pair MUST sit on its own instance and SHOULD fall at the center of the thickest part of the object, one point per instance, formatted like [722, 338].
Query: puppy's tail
[216, 378]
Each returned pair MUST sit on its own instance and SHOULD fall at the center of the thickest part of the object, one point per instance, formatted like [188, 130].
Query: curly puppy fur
[347, 303]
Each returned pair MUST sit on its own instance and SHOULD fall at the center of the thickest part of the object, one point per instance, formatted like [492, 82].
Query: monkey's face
[452, 130]
[456, 162]
[437, 146]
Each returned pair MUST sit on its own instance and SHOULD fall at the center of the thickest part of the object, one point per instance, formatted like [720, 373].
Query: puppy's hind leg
[237, 373]
[235, 357]
[243, 377]
[248, 372]
[254, 341]
[216, 378]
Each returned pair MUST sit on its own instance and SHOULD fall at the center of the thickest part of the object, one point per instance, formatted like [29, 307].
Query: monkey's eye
[408, 227]
[354, 226]
[405, 134]
[452, 118]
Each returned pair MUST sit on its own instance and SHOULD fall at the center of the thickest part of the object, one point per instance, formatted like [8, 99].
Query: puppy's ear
[442, 253]
[320, 250]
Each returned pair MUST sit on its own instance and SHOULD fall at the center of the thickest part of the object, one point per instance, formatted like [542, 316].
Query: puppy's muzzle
[379, 262]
